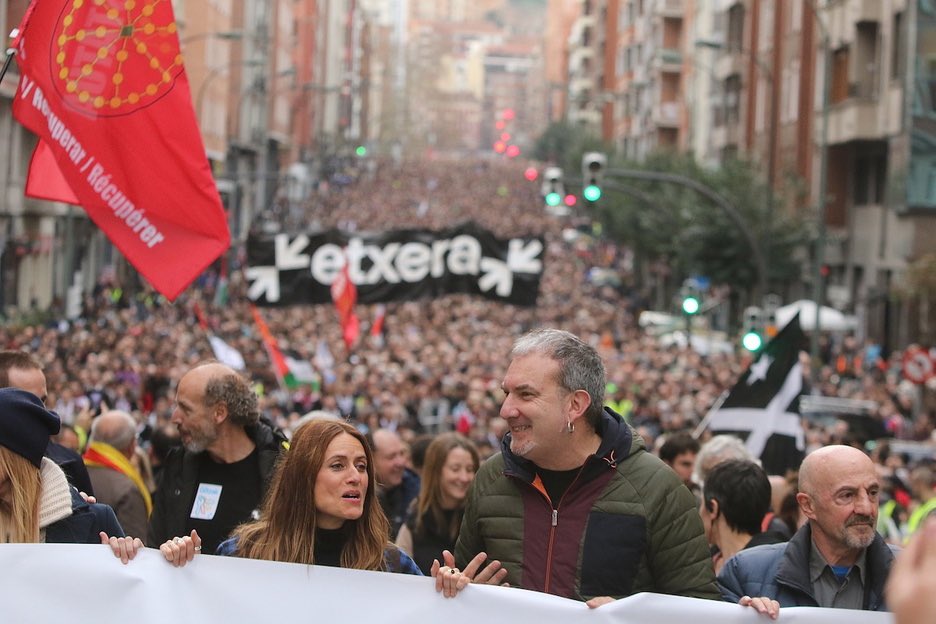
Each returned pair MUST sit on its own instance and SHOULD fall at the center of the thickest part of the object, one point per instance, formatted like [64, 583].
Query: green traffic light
[361, 150]
[553, 199]
[752, 341]
[690, 305]
[592, 192]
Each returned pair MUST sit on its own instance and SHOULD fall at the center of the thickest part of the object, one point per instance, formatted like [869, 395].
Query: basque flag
[763, 406]
[103, 86]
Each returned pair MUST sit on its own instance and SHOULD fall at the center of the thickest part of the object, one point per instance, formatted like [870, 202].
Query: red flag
[280, 368]
[44, 180]
[379, 315]
[344, 294]
[103, 86]
[200, 315]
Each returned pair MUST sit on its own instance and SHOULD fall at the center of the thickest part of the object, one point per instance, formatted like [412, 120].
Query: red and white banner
[103, 86]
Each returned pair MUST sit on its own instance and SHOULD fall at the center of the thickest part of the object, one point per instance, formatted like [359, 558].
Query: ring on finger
[197, 548]
[176, 540]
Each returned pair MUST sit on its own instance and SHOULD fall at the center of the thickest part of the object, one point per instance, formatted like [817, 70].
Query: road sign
[918, 365]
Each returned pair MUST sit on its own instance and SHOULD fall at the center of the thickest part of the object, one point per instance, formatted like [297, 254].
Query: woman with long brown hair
[321, 509]
[435, 516]
[337, 521]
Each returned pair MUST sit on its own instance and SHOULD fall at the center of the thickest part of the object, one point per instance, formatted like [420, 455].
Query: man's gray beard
[195, 447]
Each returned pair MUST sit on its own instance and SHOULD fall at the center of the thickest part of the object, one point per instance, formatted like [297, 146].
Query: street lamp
[213, 73]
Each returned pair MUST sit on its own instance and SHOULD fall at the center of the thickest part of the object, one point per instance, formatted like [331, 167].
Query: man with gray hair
[574, 505]
[217, 479]
[116, 480]
[720, 448]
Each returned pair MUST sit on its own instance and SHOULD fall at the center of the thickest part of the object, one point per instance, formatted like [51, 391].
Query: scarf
[55, 500]
[106, 456]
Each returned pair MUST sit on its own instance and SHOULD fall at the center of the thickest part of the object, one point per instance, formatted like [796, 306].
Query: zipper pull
[555, 517]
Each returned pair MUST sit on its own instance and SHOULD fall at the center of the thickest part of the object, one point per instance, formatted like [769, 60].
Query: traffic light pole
[715, 198]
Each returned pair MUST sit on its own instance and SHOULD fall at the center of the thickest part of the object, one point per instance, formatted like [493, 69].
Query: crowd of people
[403, 421]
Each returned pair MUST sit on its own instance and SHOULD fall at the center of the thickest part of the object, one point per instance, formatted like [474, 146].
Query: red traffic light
[505, 136]
[508, 113]
[531, 174]
[500, 147]
[500, 125]
[570, 200]
[513, 151]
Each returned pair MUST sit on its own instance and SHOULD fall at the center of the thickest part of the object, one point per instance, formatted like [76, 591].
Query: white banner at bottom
[68, 582]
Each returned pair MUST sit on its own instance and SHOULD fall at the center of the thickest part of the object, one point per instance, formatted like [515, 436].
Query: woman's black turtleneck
[328, 546]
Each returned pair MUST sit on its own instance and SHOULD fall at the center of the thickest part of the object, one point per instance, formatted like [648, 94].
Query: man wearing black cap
[49, 510]
[19, 369]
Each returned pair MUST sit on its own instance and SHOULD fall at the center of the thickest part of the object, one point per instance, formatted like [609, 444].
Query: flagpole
[10, 53]
[700, 429]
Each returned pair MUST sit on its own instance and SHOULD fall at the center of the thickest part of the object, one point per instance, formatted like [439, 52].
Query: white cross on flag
[763, 406]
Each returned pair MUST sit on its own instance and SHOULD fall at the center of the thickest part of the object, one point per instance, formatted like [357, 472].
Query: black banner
[398, 265]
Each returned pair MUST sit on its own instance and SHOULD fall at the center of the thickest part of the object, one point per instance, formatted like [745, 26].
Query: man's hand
[762, 604]
[911, 585]
[597, 601]
[124, 548]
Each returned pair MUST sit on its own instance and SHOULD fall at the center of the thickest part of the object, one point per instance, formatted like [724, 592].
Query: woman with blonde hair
[37, 505]
[435, 516]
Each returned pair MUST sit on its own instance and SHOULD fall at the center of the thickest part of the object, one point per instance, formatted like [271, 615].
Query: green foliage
[693, 235]
[563, 144]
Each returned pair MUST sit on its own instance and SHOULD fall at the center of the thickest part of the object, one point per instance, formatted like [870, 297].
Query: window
[898, 52]
[839, 90]
[735, 42]
[870, 174]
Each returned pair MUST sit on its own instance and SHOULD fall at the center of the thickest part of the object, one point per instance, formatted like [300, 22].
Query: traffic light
[752, 337]
[690, 304]
[691, 298]
[771, 303]
[552, 189]
[593, 167]
[361, 151]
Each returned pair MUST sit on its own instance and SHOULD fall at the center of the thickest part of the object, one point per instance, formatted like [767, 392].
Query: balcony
[855, 120]
[669, 60]
[730, 64]
[726, 135]
[671, 8]
[581, 84]
[579, 59]
[667, 114]
[844, 14]
[581, 31]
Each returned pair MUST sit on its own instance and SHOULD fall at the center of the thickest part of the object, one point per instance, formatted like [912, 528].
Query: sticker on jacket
[206, 501]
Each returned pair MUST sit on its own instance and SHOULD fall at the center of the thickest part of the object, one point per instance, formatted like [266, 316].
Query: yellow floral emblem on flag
[111, 57]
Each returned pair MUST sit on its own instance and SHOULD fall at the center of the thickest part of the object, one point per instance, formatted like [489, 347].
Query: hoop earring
[569, 426]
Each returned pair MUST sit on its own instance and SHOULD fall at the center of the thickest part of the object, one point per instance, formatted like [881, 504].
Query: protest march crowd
[459, 407]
